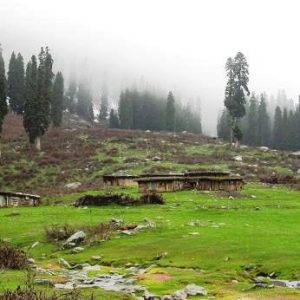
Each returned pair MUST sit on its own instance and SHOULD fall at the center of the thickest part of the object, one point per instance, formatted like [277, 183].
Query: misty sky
[179, 45]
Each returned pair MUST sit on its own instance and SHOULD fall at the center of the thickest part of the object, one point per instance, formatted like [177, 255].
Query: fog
[178, 45]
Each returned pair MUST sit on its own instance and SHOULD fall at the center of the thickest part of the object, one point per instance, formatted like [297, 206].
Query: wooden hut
[200, 180]
[160, 184]
[207, 183]
[12, 199]
[206, 173]
[119, 180]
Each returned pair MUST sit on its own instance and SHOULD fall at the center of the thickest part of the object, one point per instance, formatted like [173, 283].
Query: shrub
[29, 292]
[12, 257]
[59, 232]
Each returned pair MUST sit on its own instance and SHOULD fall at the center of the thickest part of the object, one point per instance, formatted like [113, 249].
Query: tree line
[249, 119]
[264, 125]
[147, 111]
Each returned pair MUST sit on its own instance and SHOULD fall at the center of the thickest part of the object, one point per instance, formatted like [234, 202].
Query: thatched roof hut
[119, 180]
[11, 199]
[160, 184]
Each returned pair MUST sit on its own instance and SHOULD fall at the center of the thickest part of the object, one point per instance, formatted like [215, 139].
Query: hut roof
[206, 173]
[160, 179]
[19, 194]
[210, 178]
[149, 175]
[109, 177]
[188, 179]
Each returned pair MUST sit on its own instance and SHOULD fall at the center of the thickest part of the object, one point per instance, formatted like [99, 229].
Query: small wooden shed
[207, 183]
[160, 184]
[119, 180]
[12, 199]
[200, 180]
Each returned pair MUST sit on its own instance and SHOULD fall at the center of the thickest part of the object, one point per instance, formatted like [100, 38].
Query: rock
[116, 221]
[148, 131]
[96, 257]
[296, 154]
[75, 238]
[64, 263]
[263, 148]
[46, 282]
[237, 158]
[127, 232]
[179, 295]
[194, 290]
[161, 255]
[92, 268]
[31, 260]
[77, 249]
[34, 244]
[156, 158]
[298, 171]
[149, 296]
[73, 185]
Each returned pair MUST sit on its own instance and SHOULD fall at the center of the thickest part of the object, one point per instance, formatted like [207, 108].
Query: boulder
[264, 148]
[237, 158]
[75, 239]
[73, 185]
[77, 249]
[194, 290]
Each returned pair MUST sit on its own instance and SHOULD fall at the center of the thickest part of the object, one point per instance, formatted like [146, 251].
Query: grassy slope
[262, 227]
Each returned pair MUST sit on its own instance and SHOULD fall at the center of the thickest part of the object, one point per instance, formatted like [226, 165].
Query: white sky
[179, 45]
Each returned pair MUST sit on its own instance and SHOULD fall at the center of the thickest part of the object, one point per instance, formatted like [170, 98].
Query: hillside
[76, 153]
[234, 245]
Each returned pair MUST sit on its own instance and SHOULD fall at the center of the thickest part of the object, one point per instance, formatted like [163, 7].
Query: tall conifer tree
[237, 85]
[57, 100]
[170, 112]
[3, 102]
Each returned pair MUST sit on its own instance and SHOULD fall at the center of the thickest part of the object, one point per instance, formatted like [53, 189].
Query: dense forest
[273, 123]
[40, 96]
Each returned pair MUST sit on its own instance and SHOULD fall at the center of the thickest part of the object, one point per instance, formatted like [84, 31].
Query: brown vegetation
[12, 257]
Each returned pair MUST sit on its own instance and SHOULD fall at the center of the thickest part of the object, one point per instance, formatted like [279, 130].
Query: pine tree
[38, 97]
[170, 112]
[85, 103]
[11, 83]
[297, 126]
[16, 84]
[237, 85]
[251, 133]
[263, 121]
[3, 102]
[278, 129]
[31, 110]
[70, 101]
[223, 127]
[125, 110]
[103, 108]
[113, 119]
[57, 100]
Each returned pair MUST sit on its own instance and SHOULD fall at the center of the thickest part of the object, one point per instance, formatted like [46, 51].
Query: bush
[59, 232]
[29, 292]
[12, 257]
[99, 200]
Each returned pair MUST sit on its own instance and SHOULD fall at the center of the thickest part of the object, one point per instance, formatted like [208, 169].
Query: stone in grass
[77, 249]
[75, 238]
[64, 263]
[45, 282]
[73, 185]
[194, 290]
[95, 257]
